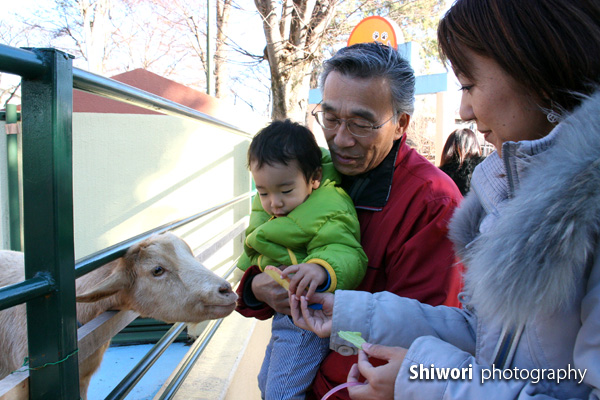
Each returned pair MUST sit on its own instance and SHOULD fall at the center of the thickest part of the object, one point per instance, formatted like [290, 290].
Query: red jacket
[403, 226]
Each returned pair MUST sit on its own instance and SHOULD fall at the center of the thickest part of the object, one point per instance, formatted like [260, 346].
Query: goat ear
[109, 286]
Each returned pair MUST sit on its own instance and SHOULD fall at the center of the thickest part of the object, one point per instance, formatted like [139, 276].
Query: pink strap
[340, 387]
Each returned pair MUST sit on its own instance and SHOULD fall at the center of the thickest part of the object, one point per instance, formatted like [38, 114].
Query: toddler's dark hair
[283, 141]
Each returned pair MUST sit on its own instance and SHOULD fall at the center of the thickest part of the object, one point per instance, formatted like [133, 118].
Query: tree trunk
[95, 20]
[223, 9]
[294, 39]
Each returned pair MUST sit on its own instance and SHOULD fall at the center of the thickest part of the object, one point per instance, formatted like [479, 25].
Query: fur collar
[534, 258]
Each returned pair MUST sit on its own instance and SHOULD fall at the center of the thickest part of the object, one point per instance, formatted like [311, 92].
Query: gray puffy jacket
[528, 234]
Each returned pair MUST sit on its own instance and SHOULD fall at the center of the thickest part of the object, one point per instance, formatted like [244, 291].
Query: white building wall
[134, 172]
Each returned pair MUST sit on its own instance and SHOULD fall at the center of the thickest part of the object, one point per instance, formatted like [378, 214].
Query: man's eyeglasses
[358, 127]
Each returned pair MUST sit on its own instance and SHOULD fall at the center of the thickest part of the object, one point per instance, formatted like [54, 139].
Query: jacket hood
[329, 171]
[536, 255]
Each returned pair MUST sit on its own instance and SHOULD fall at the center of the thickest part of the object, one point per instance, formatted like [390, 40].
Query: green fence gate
[48, 79]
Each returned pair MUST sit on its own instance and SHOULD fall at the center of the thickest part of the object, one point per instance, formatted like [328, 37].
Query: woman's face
[499, 105]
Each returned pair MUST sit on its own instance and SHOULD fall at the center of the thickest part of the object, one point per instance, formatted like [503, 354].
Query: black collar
[370, 191]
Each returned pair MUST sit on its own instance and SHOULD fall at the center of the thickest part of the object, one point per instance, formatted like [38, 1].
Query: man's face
[366, 98]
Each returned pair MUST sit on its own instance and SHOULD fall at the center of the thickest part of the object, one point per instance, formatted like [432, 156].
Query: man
[403, 201]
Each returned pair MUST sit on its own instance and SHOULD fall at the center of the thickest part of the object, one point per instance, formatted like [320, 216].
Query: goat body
[158, 278]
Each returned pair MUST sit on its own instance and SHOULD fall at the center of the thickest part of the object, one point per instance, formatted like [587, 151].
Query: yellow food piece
[275, 273]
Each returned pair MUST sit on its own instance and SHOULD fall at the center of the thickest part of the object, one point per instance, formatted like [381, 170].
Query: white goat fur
[182, 291]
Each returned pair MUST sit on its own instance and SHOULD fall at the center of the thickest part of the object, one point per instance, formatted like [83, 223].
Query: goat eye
[158, 271]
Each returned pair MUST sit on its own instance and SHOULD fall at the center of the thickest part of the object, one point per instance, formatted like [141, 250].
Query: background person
[403, 202]
[528, 232]
[303, 220]
[460, 156]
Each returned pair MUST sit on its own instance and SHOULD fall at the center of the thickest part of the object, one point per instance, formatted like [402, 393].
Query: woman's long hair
[460, 145]
[549, 47]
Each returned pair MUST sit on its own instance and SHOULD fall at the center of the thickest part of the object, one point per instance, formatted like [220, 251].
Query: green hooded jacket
[323, 230]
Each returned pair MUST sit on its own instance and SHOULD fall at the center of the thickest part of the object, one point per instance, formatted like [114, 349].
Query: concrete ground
[117, 363]
[226, 370]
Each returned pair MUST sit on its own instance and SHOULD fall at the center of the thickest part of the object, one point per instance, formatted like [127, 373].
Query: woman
[460, 156]
[528, 232]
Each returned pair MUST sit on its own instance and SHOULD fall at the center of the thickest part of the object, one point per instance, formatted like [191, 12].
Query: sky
[24, 7]
[248, 36]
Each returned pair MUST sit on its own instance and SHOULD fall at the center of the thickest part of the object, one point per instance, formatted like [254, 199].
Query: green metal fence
[48, 79]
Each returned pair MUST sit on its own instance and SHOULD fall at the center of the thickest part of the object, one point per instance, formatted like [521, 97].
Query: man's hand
[380, 380]
[268, 291]
[305, 277]
[318, 321]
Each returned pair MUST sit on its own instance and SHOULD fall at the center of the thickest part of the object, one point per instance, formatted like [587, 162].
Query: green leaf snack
[353, 337]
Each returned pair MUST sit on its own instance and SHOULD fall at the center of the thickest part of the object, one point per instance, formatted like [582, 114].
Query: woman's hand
[380, 380]
[318, 321]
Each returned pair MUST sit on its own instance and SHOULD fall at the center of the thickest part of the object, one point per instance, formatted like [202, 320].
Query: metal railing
[48, 79]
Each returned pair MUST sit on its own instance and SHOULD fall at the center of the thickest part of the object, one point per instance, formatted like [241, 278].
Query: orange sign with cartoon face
[375, 29]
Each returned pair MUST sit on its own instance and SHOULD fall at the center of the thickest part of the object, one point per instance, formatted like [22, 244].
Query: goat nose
[225, 289]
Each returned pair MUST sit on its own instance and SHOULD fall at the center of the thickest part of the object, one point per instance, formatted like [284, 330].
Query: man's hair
[283, 141]
[460, 145]
[550, 47]
[376, 60]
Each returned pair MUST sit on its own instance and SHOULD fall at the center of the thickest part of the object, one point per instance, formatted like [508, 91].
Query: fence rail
[48, 80]
[92, 83]
[21, 62]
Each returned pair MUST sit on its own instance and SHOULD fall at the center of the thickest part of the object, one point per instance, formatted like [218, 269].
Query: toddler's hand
[305, 277]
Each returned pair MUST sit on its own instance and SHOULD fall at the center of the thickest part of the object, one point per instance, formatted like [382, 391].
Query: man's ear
[401, 126]
[316, 178]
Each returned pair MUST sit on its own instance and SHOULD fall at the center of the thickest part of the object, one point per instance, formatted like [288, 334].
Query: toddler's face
[281, 187]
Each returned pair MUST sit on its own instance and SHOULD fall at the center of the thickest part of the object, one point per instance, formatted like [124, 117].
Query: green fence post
[48, 226]
[12, 158]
